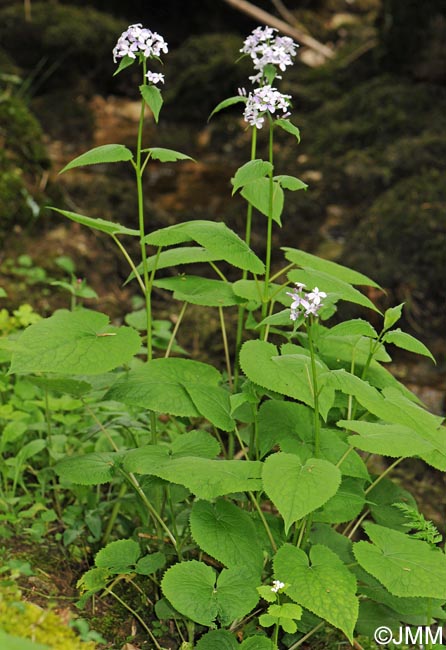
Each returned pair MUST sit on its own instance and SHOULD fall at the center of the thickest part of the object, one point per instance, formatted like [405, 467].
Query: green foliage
[107, 153]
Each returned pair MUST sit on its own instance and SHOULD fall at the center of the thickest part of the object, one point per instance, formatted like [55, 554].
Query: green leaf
[392, 315]
[230, 101]
[63, 385]
[290, 182]
[405, 566]
[166, 155]
[150, 564]
[297, 489]
[250, 171]
[200, 291]
[289, 374]
[326, 587]
[177, 386]
[227, 533]
[345, 505]
[19, 643]
[336, 288]
[256, 642]
[78, 343]
[354, 327]
[258, 194]
[217, 640]
[119, 556]
[407, 342]
[195, 443]
[215, 237]
[124, 63]
[287, 126]
[193, 590]
[381, 499]
[153, 98]
[106, 153]
[333, 269]
[3, 293]
[98, 224]
[90, 469]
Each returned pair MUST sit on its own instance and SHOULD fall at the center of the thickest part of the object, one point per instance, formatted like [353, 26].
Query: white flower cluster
[262, 100]
[265, 48]
[305, 303]
[277, 585]
[138, 40]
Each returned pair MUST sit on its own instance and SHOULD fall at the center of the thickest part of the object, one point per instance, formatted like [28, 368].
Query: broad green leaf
[407, 342]
[3, 293]
[205, 478]
[227, 533]
[296, 489]
[328, 536]
[217, 640]
[405, 566]
[256, 642]
[120, 556]
[381, 500]
[200, 291]
[344, 349]
[176, 257]
[215, 237]
[194, 591]
[336, 288]
[250, 171]
[367, 395]
[124, 63]
[354, 327]
[314, 263]
[90, 469]
[287, 126]
[77, 343]
[253, 291]
[392, 315]
[195, 443]
[290, 182]
[19, 643]
[98, 224]
[326, 587]
[345, 505]
[153, 98]
[166, 155]
[289, 374]
[150, 563]
[258, 194]
[107, 153]
[63, 385]
[230, 101]
[213, 403]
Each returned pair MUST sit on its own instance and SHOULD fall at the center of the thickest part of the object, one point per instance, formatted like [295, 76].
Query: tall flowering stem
[269, 231]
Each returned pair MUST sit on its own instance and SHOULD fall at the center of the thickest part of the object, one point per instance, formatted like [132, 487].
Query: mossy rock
[18, 617]
[64, 44]
[21, 134]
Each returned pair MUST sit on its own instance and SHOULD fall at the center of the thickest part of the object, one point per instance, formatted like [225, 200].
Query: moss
[33, 622]
[22, 134]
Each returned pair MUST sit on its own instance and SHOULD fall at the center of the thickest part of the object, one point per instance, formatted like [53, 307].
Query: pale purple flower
[155, 77]
[316, 296]
[265, 48]
[306, 304]
[138, 40]
[262, 100]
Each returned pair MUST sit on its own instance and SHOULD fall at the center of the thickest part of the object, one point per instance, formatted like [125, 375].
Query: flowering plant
[264, 472]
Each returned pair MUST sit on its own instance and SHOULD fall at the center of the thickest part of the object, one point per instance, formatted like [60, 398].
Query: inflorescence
[137, 40]
[306, 304]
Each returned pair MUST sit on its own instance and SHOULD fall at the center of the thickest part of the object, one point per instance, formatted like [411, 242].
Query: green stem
[307, 636]
[269, 232]
[317, 422]
[114, 514]
[130, 262]
[264, 522]
[226, 347]
[175, 329]
[137, 616]
[381, 476]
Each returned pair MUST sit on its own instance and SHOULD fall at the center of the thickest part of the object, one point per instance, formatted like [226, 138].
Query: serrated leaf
[200, 291]
[354, 327]
[333, 269]
[405, 566]
[63, 385]
[326, 587]
[195, 443]
[258, 194]
[392, 315]
[289, 374]
[257, 642]
[194, 591]
[217, 640]
[102, 225]
[230, 101]
[120, 556]
[381, 500]
[290, 182]
[213, 403]
[336, 288]
[296, 489]
[77, 343]
[407, 342]
[337, 349]
[204, 477]
[153, 98]
[345, 505]
[215, 237]
[166, 155]
[90, 469]
[249, 172]
[106, 153]
[149, 564]
[287, 126]
[227, 533]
